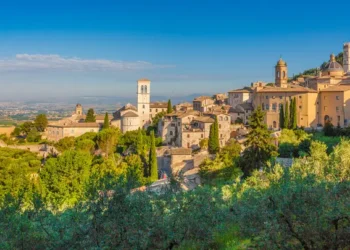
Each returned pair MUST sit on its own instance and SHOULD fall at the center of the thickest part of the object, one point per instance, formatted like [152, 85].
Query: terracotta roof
[159, 105]
[102, 117]
[143, 80]
[240, 91]
[181, 151]
[202, 98]
[77, 125]
[336, 88]
[204, 119]
[289, 89]
[130, 114]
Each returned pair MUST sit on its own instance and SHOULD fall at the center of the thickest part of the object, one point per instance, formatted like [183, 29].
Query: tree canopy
[90, 116]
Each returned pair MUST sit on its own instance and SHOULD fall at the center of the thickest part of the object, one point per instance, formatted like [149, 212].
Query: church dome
[332, 68]
[281, 62]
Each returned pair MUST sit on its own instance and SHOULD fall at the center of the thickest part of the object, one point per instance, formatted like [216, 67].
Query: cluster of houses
[320, 98]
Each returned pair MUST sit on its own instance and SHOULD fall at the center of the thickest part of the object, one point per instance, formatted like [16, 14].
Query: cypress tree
[286, 116]
[281, 117]
[153, 166]
[294, 114]
[213, 144]
[90, 116]
[106, 121]
[170, 108]
[291, 111]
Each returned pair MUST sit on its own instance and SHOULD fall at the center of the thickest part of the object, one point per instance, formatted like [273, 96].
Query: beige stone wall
[238, 98]
[57, 133]
[191, 139]
[224, 122]
[305, 104]
[155, 111]
[335, 105]
[130, 123]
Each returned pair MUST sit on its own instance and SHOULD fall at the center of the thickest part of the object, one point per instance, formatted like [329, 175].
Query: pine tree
[106, 121]
[153, 166]
[294, 114]
[90, 116]
[213, 144]
[281, 117]
[286, 116]
[259, 145]
[170, 108]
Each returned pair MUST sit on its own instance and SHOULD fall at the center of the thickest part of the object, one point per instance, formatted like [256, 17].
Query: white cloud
[56, 62]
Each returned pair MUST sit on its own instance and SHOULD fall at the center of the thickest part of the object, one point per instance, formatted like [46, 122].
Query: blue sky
[76, 48]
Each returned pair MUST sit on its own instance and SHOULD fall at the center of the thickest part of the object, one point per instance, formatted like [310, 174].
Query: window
[280, 97]
[337, 97]
[300, 97]
[178, 123]
[188, 135]
[220, 118]
[284, 74]
[156, 110]
[338, 118]
[145, 89]
[299, 107]
[280, 106]
[267, 107]
[221, 136]
[325, 108]
[150, 110]
[226, 118]
[337, 109]
[267, 97]
[219, 125]
[202, 136]
[274, 124]
[302, 118]
[171, 132]
[273, 97]
[143, 106]
[274, 107]
[188, 144]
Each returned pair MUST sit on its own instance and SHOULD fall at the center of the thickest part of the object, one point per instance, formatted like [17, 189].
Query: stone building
[185, 106]
[157, 107]
[187, 129]
[59, 130]
[203, 103]
[239, 96]
[241, 112]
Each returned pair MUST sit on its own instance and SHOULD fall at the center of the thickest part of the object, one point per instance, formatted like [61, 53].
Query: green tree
[282, 117]
[26, 127]
[204, 143]
[291, 112]
[153, 165]
[259, 144]
[286, 116]
[66, 143]
[294, 114]
[65, 177]
[90, 116]
[107, 140]
[213, 143]
[33, 135]
[41, 122]
[170, 108]
[106, 121]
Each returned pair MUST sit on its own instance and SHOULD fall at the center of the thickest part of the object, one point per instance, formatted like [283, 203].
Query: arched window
[278, 74]
[284, 74]
[171, 132]
[274, 124]
[220, 118]
[145, 89]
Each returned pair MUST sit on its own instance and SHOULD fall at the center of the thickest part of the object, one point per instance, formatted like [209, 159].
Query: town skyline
[55, 52]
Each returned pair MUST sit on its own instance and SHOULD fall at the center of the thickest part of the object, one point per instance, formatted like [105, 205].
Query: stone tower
[143, 101]
[78, 109]
[346, 58]
[281, 74]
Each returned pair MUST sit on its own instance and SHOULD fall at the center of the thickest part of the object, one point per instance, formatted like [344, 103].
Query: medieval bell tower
[143, 101]
[78, 109]
[281, 74]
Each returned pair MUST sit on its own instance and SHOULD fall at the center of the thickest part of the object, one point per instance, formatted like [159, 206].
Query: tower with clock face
[346, 57]
[143, 101]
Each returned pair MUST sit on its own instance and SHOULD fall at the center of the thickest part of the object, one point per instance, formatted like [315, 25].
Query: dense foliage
[90, 116]
[213, 143]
